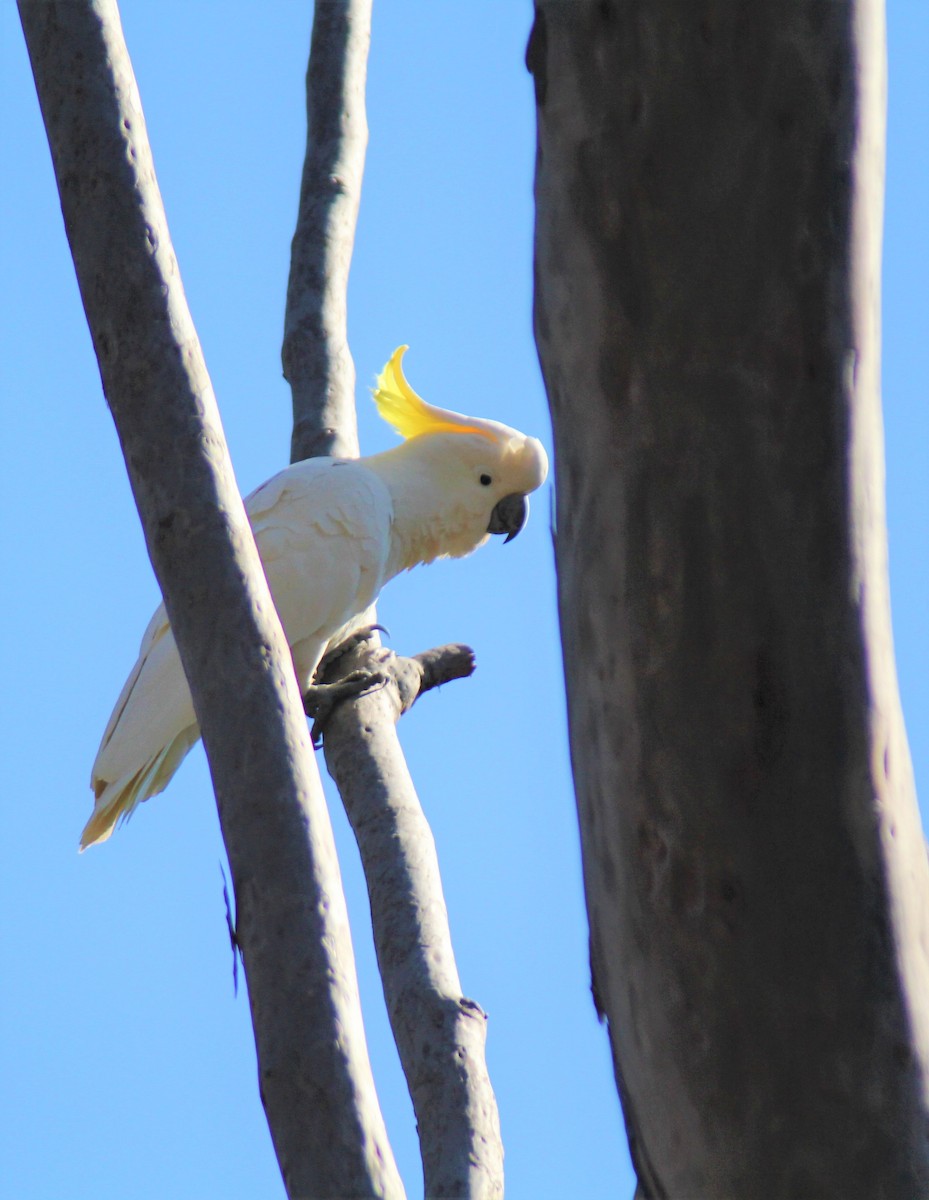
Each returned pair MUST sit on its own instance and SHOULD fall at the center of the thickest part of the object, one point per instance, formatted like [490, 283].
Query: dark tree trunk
[709, 191]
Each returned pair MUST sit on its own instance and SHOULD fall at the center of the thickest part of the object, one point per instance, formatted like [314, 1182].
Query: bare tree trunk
[707, 284]
[440, 1034]
[315, 1078]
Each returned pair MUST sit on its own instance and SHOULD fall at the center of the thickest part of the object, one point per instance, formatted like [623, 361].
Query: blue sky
[128, 1064]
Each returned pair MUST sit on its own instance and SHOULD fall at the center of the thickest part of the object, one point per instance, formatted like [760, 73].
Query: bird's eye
[486, 480]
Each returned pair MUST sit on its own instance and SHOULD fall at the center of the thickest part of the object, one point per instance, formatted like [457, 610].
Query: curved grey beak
[509, 516]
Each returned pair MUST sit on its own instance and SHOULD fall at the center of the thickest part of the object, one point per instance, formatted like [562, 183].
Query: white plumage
[330, 533]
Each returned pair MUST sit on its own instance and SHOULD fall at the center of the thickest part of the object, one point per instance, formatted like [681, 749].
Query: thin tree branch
[431, 669]
[439, 1034]
[411, 677]
[292, 926]
[315, 354]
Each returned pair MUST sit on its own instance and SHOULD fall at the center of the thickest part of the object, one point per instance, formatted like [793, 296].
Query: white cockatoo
[331, 533]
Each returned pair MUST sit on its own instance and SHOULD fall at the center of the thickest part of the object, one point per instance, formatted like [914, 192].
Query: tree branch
[292, 926]
[434, 667]
[317, 362]
[707, 286]
[439, 1034]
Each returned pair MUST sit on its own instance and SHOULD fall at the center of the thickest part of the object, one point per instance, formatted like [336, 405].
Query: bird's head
[472, 475]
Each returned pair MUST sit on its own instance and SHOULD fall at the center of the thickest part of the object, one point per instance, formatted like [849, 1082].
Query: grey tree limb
[314, 1074]
[431, 668]
[317, 361]
[411, 677]
[439, 1034]
[709, 192]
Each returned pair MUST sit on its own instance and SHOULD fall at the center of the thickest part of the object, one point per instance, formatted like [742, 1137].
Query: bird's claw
[353, 640]
[321, 699]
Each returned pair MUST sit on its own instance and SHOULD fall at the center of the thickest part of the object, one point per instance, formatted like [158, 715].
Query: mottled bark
[439, 1034]
[709, 192]
[292, 927]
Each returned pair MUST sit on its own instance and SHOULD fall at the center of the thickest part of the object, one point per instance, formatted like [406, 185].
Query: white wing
[323, 532]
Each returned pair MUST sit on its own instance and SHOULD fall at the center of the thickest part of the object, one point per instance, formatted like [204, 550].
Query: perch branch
[455, 1107]
[440, 1034]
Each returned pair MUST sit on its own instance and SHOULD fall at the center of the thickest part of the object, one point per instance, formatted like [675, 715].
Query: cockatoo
[331, 533]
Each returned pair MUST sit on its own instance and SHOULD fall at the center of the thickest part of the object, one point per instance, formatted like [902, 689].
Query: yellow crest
[408, 413]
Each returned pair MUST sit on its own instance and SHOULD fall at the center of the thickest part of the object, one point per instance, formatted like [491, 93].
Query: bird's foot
[321, 699]
[334, 653]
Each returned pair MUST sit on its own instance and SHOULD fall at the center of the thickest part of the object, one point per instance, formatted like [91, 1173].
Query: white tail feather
[117, 802]
[152, 727]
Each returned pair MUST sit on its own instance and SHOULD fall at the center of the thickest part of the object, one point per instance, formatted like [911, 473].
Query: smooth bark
[709, 191]
[439, 1033]
[292, 928]
[317, 361]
